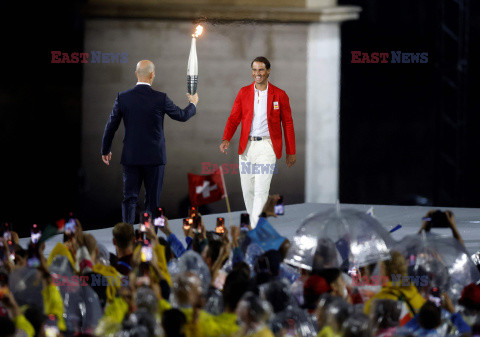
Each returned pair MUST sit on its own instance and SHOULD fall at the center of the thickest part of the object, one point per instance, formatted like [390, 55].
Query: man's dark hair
[172, 321]
[262, 59]
[236, 285]
[123, 234]
[429, 316]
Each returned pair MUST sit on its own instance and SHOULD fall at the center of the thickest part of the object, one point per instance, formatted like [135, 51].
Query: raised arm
[174, 112]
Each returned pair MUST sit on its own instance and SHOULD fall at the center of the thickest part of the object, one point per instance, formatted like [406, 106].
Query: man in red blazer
[263, 109]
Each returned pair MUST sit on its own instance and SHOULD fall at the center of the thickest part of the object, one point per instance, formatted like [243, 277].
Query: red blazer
[278, 112]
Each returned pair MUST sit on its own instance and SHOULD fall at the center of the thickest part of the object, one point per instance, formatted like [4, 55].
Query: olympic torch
[192, 68]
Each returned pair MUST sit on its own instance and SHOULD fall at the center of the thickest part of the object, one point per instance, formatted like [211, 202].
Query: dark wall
[40, 112]
[390, 116]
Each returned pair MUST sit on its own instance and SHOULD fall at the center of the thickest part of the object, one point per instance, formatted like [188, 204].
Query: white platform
[467, 219]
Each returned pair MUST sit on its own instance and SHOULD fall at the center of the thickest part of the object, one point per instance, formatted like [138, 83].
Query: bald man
[143, 156]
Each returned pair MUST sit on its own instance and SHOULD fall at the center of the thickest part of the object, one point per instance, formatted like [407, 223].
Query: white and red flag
[205, 189]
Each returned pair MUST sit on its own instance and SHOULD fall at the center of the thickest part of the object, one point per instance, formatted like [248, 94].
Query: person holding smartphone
[263, 109]
[439, 219]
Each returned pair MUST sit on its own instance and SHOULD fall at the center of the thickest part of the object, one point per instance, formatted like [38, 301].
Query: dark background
[407, 130]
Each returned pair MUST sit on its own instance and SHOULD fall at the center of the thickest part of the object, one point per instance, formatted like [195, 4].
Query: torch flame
[198, 31]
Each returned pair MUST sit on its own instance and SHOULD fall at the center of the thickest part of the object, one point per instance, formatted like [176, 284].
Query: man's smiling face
[260, 73]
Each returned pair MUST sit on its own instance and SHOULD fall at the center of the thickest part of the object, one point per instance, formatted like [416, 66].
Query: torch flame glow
[198, 31]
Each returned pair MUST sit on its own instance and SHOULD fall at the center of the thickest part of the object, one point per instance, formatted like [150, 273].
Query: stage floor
[467, 219]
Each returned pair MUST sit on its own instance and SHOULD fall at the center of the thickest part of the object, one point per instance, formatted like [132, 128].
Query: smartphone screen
[159, 222]
[220, 228]
[186, 224]
[33, 257]
[244, 221]
[50, 327]
[435, 296]
[70, 227]
[146, 253]
[193, 212]
[35, 234]
[146, 219]
[279, 207]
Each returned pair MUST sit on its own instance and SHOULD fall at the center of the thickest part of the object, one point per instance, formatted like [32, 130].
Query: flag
[204, 189]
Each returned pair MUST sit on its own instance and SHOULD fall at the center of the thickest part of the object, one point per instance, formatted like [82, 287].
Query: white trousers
[256, 166]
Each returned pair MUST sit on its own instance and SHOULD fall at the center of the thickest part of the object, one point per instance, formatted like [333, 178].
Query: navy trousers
[133, 177]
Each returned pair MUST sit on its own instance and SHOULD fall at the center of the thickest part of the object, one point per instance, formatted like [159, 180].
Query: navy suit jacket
[142, 110]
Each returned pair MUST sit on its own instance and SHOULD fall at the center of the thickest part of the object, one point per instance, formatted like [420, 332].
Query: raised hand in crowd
[166, 227]
[447, 303]
[7, 262]
[152, 236]
[188, 232]
[9, 302]
[428, 224]
[269, 208]
[222, 256]
[235, 235]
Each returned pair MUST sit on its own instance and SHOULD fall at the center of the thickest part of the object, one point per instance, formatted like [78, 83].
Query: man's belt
[257, 138]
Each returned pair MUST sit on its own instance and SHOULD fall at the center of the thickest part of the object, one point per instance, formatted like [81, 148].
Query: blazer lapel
[251, 97]
[270, 97]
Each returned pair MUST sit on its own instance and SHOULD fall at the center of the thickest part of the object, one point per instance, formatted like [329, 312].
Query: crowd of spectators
[212, 284]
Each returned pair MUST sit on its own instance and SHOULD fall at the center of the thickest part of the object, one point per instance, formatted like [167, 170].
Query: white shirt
[259, 122]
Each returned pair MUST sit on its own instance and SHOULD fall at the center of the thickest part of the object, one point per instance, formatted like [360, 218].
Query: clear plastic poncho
[287, 315]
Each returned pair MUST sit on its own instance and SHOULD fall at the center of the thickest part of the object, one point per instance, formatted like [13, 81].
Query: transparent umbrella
[339, 239]
[443, 260]
[26, 285]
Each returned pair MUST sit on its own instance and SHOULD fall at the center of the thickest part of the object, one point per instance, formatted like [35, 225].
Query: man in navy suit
[143, 155]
